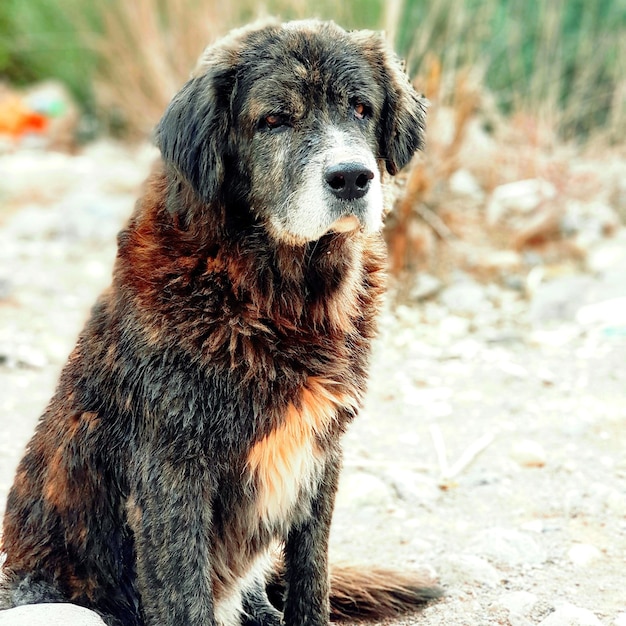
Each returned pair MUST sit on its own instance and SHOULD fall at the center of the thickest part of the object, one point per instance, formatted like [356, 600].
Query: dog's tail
[376, 593]
[369, 593]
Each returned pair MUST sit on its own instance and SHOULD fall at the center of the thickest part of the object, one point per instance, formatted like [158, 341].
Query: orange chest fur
[288, 460]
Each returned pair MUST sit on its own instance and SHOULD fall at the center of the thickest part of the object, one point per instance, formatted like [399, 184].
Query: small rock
[29, 356]
[607, 313]
[49, 615]
[32, 222]
[584, 554]
[510, 547]
[570, 615]
[520, 197]
[413, 486]
[593, 220]
[465, 298]
[561, 298]
[514, 370]
[5, 288]
[607, 254]
[534, 526]
[425, 287]
[463, 183]
[500, 261]
[458, 569]
[360, 489]
[454, 327]
[519, 602]
[529, 453]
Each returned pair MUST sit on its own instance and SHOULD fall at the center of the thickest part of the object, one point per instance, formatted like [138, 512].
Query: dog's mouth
[345, 224]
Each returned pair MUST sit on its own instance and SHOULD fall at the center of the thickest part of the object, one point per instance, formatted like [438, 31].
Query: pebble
[49, 615]
[559, 299]
[509, 547]
[413, 486]
[570, 615]
[361, 489]
[519, 197]
[463, 183]
[502, 262]
[591, 220]
[458, 569]
[519, 602]
[466, 297]
[454, 327]
[425, 287]
[529, 453]
[583, 554]
[610, 312]
[607, 254]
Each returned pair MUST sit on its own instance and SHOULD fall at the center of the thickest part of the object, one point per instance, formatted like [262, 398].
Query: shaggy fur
[197, 422]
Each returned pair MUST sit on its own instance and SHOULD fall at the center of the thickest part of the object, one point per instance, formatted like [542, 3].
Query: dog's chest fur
[288, 460]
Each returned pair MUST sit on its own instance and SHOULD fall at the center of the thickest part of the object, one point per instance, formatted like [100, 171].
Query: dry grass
[146, 49]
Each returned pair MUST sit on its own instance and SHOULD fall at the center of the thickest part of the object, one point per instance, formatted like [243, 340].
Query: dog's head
[294, 124]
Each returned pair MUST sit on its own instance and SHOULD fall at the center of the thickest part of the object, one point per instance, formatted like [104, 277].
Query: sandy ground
[491, 448]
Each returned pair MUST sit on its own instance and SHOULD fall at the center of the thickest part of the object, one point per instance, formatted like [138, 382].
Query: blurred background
[516, 88]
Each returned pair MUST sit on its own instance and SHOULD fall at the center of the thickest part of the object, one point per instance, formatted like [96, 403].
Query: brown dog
[198, 421]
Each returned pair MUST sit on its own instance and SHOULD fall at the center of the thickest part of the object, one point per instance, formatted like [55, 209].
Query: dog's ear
[403, 118]
[193, 133]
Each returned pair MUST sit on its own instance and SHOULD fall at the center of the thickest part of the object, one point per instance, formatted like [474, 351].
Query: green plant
[39, 39]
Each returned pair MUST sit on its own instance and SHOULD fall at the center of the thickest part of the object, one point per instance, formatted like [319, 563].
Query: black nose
[348, 181]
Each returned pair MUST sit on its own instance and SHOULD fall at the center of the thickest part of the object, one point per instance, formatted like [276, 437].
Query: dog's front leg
[306, 556]
[169, 512]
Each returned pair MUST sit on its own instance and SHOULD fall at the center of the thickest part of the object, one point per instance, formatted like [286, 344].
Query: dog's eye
[273, 121]
[361, 111]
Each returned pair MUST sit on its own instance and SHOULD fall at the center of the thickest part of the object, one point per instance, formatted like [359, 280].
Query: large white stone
[49, 615]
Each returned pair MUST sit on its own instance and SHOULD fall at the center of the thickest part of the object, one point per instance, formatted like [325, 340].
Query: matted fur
[197, 423]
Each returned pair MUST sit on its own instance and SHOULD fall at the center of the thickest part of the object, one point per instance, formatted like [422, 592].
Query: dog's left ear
[403, 118]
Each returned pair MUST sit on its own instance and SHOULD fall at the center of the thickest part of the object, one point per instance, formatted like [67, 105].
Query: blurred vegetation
[562, 59]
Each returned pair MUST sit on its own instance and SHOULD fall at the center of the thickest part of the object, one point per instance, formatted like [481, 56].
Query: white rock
[466, 297]
[510, 547]
[520, 197]
[529, 453]
[610, 312]
[425, 286]
[360, 489]
[463, 183]
[561, 298]
[413, 486]
[454, 327]
[518, 602]
[49, 615]
[583, 554]
[607, 254]
[515, 370]
[459, 569]
[570, 615]
[498, 261]
[594, 219]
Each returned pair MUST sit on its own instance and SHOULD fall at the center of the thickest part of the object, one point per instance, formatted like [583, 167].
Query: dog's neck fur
[318, 284]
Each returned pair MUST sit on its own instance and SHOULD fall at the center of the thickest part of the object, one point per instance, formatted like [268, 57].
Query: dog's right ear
[193, 133]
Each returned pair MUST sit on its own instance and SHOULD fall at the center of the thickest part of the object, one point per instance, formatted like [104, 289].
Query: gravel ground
[491, 446]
